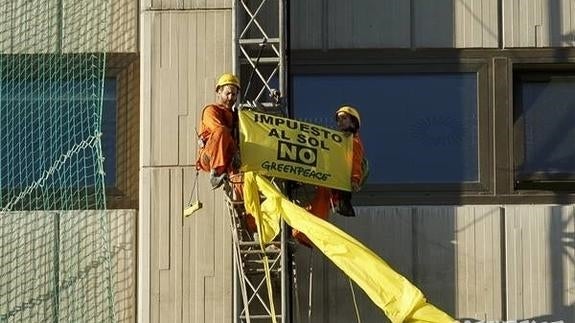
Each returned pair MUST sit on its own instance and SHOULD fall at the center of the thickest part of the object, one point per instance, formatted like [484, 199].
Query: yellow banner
[295, 150]
[399, 299]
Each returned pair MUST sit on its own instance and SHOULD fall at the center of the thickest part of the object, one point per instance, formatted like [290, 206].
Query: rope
[310, 285]
[354, 301]
[194, 188]
[193, 207]
[296, 290]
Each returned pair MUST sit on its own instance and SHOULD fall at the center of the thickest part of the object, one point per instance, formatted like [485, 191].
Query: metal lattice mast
[260, 52]
[260, 46]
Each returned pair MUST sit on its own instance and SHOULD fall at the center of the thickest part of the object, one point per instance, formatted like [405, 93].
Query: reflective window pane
[416, 128]
[21, 112]
[546, 114]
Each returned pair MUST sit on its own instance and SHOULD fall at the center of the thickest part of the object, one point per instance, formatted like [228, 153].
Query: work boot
[217, 180]
[345, 208]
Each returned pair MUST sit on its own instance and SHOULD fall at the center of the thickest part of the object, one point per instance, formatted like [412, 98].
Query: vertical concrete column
[184, 264]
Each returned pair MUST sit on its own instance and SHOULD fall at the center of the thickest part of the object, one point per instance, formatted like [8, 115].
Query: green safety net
[55, 260]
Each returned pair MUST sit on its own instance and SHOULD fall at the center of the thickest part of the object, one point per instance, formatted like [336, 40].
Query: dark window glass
[416, 128]
[545, 127]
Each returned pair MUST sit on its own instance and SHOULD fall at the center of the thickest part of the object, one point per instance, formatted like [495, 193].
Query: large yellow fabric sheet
[394, 294]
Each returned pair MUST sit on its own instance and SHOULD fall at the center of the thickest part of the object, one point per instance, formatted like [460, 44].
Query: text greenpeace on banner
[295, 150]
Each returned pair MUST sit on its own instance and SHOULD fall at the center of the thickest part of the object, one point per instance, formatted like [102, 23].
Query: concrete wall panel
[186, 4]
[367, 24]
[31, 27]
[395, 24]
[186, 261]
[476, 23]
[189, 50]
[38, 244]
[307, 30]
[539, 23]
[124, 27]
[478, 277]
[190, 258]
[455, 24]
[540, 259]
[123, 239]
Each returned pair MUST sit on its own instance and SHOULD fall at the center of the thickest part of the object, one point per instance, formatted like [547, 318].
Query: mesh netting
[54, 235]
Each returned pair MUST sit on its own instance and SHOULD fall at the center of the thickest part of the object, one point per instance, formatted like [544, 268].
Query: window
[544, 129]
[44, 119]
[450, 126]
[417, 128]
[29, 133]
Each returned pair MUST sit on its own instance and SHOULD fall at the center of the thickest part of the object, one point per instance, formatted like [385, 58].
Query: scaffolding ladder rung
[259, 272]
[263, 60]
[255, 243]
[257, 41]
[259, 252]
[260, 317]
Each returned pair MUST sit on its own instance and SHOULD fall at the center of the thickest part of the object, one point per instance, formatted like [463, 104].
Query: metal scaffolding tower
[261, 28]
[260, 31]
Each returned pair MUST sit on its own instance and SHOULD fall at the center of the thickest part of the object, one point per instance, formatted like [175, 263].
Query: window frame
[125, 67]
[537, 181]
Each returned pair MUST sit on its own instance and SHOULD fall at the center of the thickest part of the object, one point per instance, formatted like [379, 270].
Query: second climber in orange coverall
[218, 153]
[348, 121]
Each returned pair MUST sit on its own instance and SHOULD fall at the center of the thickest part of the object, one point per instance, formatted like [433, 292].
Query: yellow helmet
[228, 79]
[349, 110]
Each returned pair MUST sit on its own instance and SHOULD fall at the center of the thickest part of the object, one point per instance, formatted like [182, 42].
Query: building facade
[468, 110]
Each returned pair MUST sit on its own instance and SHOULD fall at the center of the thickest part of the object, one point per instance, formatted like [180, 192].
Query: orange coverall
[216, 133]
[321, 202]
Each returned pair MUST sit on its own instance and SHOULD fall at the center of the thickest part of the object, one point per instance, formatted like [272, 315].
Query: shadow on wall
[123, 252]
[540, 259]
[551, 318]
[126, 69]
[557, 12]
[563, 256]
[68, 249]
[569, 37]
[124, 27]
[562, 266]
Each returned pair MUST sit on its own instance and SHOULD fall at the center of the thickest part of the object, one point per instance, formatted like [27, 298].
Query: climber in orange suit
[348, 120]
[218, 153]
